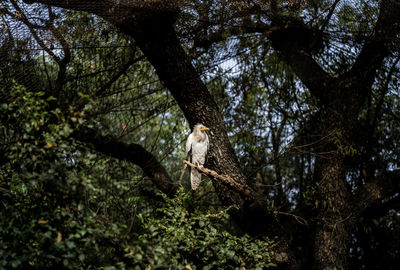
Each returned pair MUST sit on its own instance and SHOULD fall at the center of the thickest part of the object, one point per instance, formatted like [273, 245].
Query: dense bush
[42, 224]
[180, 239]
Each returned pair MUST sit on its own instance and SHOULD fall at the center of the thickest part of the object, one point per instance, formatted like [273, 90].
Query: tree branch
[62, 62]
[295, 41]
[382, 209]
[291, 38]
[97, 93]
[116, 11]
[134, 153]
[377, 48]
[375, 190]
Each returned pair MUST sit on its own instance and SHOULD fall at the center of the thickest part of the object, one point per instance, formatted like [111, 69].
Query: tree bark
[332, 238]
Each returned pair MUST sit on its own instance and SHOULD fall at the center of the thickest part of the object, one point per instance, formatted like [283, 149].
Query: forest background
[302, 102]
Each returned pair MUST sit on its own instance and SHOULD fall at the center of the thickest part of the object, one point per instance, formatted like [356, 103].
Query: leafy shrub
[42, 226]
[184, 240]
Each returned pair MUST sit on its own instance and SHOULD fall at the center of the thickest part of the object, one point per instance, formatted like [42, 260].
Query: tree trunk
[332, 238]
[332, 193]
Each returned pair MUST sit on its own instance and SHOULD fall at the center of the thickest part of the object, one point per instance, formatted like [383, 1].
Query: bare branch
[32, 28]
[131, 60]
[62, 62]
[299, 219]
[4, 190]
[226, 179]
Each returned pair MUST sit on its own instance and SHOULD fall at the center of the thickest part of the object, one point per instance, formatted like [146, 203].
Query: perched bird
[196, 150]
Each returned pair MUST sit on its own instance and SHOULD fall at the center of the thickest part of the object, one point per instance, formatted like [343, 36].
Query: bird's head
[201, 127]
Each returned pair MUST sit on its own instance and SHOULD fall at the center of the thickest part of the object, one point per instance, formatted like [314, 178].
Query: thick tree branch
[295, 41]
[374, 191]
[116, 11]
[62, 64]
[134, 153]
[375, 49]
[382, 209]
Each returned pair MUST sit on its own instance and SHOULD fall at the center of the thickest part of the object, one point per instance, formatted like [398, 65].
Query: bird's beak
[203, 128]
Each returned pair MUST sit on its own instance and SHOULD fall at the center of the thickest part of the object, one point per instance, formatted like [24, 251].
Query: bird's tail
[195, 178]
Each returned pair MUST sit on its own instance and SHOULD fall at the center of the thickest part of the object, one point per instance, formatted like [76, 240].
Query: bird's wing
[208, 143]
[188, 146]
[207, 149]
[199, 152]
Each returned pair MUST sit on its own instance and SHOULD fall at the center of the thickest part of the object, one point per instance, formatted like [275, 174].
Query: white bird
[196, 149]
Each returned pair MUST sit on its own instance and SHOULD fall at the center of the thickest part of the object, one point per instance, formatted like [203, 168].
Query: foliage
[183, 239]
[34, 236]
[377, 241]
[42, 226]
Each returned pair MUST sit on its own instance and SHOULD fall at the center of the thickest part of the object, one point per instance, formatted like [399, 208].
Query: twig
[243, 189]
[182, 174]
[274, 185]
[5, 190]
[297, 218]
